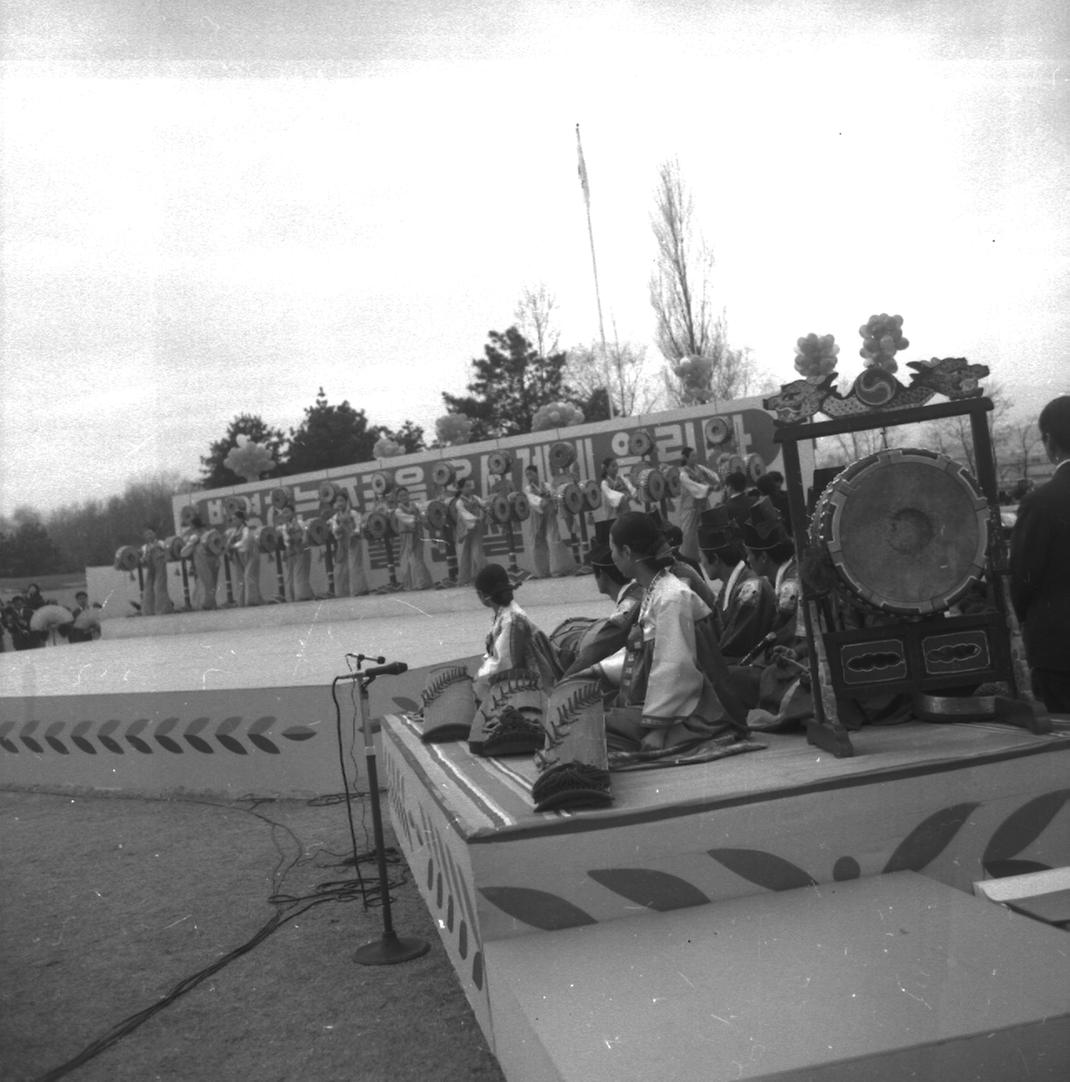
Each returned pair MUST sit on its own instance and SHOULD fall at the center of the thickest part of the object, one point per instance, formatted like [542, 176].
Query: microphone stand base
[389, 950]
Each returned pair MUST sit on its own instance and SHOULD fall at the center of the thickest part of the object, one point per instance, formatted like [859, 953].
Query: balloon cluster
[694, 373]
[387, 448]
[249, 459]
[556, 415]
[882, 338]
[453, 428]
[815, 355]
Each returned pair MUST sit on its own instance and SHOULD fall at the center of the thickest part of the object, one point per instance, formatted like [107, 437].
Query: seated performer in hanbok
[413, 573]
[245, 547]
[771, 554]
[513, 641]
[746, 605]
[603, 641]
[155, 600]
[617, 491]
[346, 525]
[205, 564]
[667, 689]
[775, 683]
[467, 513]
[674, 697]
[296, 555]
[698, 484]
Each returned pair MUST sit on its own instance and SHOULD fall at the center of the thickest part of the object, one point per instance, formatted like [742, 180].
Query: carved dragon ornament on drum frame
[876, 389]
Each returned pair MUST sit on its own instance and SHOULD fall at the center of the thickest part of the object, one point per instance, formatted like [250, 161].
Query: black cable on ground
[286, 908]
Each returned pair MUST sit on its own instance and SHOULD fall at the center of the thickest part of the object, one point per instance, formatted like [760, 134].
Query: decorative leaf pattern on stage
[229, 734]
[650, 888]
[1022, 827]
[764, 869]
[539, 908]
[929, 839]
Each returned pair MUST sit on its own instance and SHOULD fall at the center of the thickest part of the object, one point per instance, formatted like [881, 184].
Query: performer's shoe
[571, 786]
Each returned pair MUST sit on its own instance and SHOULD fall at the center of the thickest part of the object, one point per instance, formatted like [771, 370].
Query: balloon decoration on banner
[267, 538]
[382, 484]
[453, 429]
[500, 509]
[376, 526]
[556, 415]
[443, 474]
[438, 515]
[235, 503]
[248, 459]
[520, 506]
[499, 463]
[815, 356]
[317, 532]
[214, 542]
[562, 455]
[695, 373]
[385, 447]
[592, 495]
[640, 442]
[282, 497]
[328, 492]
[126, 558]
[718, 430]
[882, 338]
[672, 481]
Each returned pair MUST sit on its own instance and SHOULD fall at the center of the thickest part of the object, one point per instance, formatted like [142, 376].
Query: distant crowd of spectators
[20, 630]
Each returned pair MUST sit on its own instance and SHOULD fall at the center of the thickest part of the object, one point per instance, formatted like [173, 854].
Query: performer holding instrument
[413, 573]
[346, 526]
[468, 514]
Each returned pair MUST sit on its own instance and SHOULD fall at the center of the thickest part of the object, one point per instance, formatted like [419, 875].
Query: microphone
[395, 668]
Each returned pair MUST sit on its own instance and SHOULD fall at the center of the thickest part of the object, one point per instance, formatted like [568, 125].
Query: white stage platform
[235, 702]
[946, 801]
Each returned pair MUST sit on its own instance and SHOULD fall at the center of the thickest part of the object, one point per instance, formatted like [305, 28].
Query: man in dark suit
[1040, 565]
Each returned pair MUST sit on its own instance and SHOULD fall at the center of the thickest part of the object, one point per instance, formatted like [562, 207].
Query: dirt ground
[108, 904]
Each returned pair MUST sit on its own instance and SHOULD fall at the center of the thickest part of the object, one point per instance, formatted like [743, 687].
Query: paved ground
[108, 904]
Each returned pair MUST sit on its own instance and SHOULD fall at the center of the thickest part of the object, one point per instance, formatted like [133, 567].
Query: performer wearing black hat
[771, 554]
[746, 606]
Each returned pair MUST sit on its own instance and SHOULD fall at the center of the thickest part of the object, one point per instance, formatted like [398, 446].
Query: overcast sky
[217, 207]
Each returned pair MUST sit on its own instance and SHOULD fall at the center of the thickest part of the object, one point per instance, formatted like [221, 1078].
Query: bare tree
[1023, 438]
[535, 319]
[690, 333]
[587, 372]
[953, 436]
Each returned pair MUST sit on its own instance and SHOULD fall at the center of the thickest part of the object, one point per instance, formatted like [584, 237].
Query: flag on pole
[582, 169]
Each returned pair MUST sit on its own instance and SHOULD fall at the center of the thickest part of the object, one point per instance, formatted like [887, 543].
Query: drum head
[906, 530]
[500, 508]
[572, 498]
[498, 463]
[640, 442]
[376, 526]
[519, 505]
[672, 480]
[562, 455]
[592, 495]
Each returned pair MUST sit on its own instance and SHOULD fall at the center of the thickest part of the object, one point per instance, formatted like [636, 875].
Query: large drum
[905, 529]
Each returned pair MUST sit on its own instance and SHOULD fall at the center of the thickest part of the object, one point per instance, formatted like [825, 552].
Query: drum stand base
[830, 738]
[1021, 713]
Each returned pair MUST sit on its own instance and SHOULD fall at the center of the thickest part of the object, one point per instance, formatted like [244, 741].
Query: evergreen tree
[410, 436]
[331, 436]
[511, 381]
[27, 550]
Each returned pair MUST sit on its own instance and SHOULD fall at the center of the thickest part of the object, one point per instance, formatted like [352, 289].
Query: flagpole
[594, 269]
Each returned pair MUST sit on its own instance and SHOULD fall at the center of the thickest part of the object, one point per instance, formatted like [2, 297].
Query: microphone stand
[389, 949]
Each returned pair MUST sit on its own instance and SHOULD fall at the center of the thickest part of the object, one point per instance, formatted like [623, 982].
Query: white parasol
[49, 617]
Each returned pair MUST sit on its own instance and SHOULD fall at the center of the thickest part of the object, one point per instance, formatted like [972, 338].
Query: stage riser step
[885, 978]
